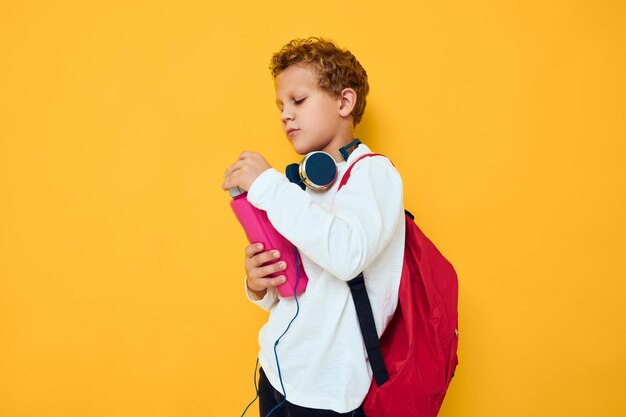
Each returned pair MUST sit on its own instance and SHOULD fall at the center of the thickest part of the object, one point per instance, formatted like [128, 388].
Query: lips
[292, 131]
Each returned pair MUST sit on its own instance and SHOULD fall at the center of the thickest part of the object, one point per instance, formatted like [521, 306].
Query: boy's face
[310, 116]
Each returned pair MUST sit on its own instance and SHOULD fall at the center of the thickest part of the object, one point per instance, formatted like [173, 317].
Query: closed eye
[296, 102]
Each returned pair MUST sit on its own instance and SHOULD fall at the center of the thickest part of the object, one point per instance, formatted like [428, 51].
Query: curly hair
[336, 68]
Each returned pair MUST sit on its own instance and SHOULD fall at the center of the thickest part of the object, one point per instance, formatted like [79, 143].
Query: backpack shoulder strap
[368, 328]
[364, 308]
[346, 176]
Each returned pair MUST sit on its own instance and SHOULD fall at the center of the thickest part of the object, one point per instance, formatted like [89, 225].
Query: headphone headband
[345, 151]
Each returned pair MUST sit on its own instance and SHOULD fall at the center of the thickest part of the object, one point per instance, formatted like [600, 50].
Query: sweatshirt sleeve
[267, 302]
[345, 239]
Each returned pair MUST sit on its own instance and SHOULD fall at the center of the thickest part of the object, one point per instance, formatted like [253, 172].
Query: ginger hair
[336, 68]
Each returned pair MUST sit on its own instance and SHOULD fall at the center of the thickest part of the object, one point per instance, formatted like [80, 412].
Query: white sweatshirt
[322, 357]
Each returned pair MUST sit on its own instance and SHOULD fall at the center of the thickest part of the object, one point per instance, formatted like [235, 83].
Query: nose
[286, 114]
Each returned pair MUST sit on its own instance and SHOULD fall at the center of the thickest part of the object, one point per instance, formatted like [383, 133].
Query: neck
[333, 148]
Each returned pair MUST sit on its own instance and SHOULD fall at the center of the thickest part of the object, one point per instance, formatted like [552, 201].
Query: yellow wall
[121, 266]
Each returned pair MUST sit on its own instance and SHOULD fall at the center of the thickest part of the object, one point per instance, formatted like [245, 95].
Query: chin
[301, 149]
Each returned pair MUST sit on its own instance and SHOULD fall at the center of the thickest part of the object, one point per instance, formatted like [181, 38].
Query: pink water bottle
[259, 230]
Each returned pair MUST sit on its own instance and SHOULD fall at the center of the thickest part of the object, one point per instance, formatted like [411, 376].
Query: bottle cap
[235, 192]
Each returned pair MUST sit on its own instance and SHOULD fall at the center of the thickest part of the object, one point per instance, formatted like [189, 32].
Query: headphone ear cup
[293, 175]
[319, 170]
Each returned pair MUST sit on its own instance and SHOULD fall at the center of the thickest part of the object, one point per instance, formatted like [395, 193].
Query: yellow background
[121, 265]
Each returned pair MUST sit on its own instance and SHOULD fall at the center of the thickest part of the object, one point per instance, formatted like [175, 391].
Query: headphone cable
[280, 377]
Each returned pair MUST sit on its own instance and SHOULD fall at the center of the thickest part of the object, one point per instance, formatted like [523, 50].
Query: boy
[320, 92]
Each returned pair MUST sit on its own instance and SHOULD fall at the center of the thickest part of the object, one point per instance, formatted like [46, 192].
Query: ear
[348, 99]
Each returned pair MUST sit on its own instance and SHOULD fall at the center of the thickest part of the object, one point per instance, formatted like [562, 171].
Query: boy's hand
[243, 172]
[257, 275]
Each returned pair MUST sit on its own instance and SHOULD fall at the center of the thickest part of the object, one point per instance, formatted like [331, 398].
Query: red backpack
[415, 359]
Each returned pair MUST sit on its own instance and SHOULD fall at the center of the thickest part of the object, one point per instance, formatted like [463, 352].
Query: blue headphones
[318, 170]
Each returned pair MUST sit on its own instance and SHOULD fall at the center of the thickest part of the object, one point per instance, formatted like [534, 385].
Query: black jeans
[269, 397]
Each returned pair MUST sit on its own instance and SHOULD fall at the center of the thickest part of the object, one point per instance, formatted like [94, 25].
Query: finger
[234, 167]
[253, 249]
[264, 271]
[259, 284]
[264, 257]
[234, 179]
[274, 282]
[247, 154]
[230, 182]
